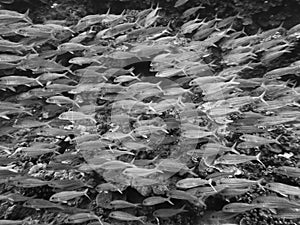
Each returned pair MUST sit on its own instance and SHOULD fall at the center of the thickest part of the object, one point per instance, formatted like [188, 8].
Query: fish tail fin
[215, 133]
[258, 159]
[156, 169]
[130, 134]
[26, 16]
[99, 219]
[261, 97]
[164, 128]
[92, 117]
[158, 86]
[5, 117]
[179, 102]
[85, 193]
[37, 80]
[65, 75]
[48, 123]
[259, 183]
[189, 90]
[11, 88]
[277, 139]
[76, 103]
[182, 209]
[142, 219]
[233, 148]
[230, 28]
[210, 184]
[169, 200]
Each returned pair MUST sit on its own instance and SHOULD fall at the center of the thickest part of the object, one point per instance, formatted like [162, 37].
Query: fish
[59, 166]
[9, 16]
[199, 133]
[155, 200]
[81, 218]
[64, 196]
[74, 116]
[140, 172]
[72, 47]
[288, 171]
[182, 195]
[61, 100]
[145, 162]
[41, 204]
[171, 72]
[287, 214]
[131, 145]
[143, 182]
[203, 33]
[67, 184]
[240, 182]
[19, 80]
[180, 3]
[191, 11]
[117, 135]
[124, 216]
[52, 76]
[259, 140]
[138, 86]
[85, 138]
[125, 78]
[232, 192]
[84, 60]
[14, 197]
[29, 182]
[238, 207]
[116, 164]
[283, 189]
[104, 187]
[12, 222]
[29, 123]
[166, 213]
[37, 149]
[151, 15]
[276, 202]
[121, 204]
[193, 182]
[267, 58]
[11, 58]
[232, 159]
[148, 130]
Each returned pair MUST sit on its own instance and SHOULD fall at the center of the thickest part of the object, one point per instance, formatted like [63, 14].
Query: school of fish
[82, 122]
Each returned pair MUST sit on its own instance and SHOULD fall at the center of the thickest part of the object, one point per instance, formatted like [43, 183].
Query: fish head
[25, 95]
[113, 215]
[156, 214]
[27, 204]
[243, 138]
[54, 199]
[192, 83]
[180, 184]
[145, 202]
[50, 100]
[62, 116]
[68, 220]
[126, 172]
